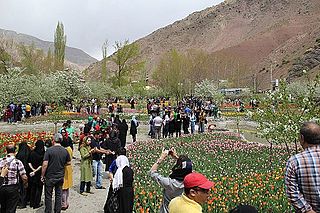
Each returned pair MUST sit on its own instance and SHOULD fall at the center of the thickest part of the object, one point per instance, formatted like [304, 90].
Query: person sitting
[172, 185]
[196, 192]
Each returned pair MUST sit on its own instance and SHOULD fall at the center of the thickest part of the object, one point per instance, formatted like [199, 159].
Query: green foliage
[58, 86]
[100, 90]
[59, 47]
[284, 110]
[170, 74]
[125, 58]
[209, 89]
[5, 59]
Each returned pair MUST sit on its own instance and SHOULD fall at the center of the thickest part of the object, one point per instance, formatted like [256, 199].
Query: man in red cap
[196, 192]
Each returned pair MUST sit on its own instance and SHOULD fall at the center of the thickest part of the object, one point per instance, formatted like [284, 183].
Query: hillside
[74, 57]
[265, 35]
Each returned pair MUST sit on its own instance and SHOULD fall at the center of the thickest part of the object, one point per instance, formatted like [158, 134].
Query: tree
[208, 88]
[104, 61]
[4, 60]
[59, 47]
[170, 74]
[284, 111]
[32, 59]
[125, 59]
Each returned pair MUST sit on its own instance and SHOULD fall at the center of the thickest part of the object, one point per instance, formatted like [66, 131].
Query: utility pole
[254, 76]
[271, 76]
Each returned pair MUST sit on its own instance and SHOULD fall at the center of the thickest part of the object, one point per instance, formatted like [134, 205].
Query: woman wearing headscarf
[133, 128]
[123, 129]
[111, 145]
[85, 165]
[172, 185]
[23, 155]
[122, 184]
[67, 180]
[35, 163]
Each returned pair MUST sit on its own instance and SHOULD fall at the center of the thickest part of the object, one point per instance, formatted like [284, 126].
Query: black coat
[133, 128]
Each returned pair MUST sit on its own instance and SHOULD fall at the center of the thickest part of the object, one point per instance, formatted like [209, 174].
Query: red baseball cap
[195, 179]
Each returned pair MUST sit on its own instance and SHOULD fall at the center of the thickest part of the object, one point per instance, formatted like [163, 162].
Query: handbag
[113, 203]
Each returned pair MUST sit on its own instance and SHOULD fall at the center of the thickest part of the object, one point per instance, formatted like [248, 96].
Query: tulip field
[242, 171]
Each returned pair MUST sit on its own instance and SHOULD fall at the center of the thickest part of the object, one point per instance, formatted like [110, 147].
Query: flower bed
[29, 137]
[241, 172]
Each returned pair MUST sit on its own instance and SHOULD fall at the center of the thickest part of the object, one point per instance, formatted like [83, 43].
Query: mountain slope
[266, 35]
[74, 57]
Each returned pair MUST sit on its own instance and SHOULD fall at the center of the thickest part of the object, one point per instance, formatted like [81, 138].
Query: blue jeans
[192, 127]
[97, 172]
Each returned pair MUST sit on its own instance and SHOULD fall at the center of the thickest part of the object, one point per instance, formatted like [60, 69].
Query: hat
[195, 179]
[183, 162]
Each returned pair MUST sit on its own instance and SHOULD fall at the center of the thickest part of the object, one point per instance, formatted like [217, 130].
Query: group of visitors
[23, 175]
[174, 122]
[16, 112]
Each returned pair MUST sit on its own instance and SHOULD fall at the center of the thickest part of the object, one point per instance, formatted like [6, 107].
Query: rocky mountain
[75, 58]
[267, 35]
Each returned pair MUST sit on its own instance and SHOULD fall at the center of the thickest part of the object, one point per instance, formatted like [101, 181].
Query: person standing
[165, 130]
[193, 120]
[177, 125]
[172, 185]
[302, 179]
[54, 161]
[35, 163]
[134, 128]
[67, 182]
[196, 192]
[122, 184]
[23, 155]
[9, 191]
[96, 159]
[110, 146]
[157, 122]
[85, 165]
[123, 130]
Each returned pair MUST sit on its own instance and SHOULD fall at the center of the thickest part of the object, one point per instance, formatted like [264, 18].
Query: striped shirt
[16, 170]
[302, 180]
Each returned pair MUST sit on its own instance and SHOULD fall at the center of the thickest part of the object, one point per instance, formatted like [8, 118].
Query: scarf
[121, 162]
[134, 120]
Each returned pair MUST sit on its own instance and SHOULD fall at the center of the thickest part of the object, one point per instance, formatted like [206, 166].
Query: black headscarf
[39, 147]
[23, 153]
[182, 168]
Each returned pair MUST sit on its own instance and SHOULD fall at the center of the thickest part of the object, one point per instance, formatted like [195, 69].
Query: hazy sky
[88, 23]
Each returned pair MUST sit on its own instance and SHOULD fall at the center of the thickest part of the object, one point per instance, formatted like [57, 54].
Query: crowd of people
[189, 114]
[102, 144]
